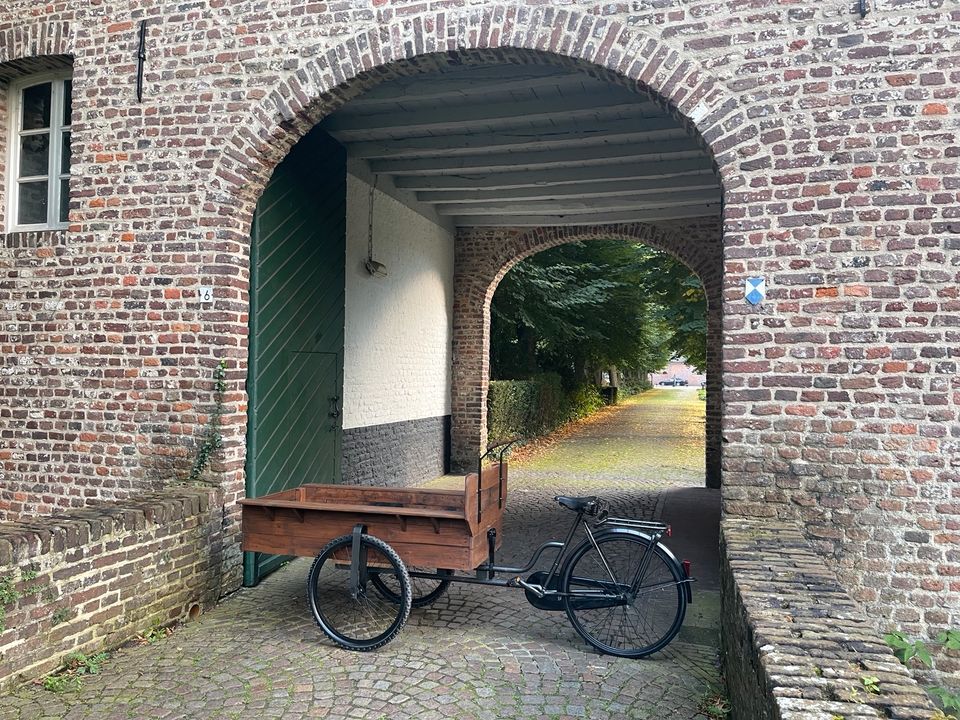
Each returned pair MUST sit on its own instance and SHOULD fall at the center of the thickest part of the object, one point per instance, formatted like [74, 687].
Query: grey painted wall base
[402, 453]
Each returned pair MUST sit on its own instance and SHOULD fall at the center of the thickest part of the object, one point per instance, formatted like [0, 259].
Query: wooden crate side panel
[290, 494]
[478, 548]
[286, 533]
[401, 497]
[412, 554]
[488, 498]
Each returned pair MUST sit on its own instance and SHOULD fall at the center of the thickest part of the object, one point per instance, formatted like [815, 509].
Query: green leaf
[950, 639]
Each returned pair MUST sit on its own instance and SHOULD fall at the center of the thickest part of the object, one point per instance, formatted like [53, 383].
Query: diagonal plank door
[296, 327]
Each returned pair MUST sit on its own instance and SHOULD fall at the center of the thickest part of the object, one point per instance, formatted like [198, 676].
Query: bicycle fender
[687, 590]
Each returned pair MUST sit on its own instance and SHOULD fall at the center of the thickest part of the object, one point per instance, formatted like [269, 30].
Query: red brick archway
[500, 33]
[483, 257]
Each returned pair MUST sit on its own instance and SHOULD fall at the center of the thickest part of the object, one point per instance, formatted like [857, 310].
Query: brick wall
[396, 363]
[92, 579]
[795, 644]
[396, 454]
[835, 139]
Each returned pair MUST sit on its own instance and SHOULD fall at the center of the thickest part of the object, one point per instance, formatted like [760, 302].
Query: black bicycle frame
[486, 573]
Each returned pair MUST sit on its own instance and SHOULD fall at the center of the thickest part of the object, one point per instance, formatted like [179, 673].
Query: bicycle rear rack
[658, 528]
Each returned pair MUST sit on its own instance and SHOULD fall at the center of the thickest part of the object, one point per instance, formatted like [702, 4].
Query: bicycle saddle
[577, 504]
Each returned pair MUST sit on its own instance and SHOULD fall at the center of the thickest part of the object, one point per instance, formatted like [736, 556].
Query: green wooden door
[296, 327]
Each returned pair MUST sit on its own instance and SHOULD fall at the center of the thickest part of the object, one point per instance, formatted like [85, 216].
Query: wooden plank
[329, 524]
[279, 538]
[469, 83]
[604, 188]
[459, 118]
[364, 508]
[470, 501]
[359, 494]
[409, 497]
[421, 555]
[478, 550]
[603, 218]
[566, 157]
[557, 176]
[589, 205]
[339, 491]
[558, 134]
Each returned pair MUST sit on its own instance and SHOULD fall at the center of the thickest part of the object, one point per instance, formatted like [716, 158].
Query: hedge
[527, 408]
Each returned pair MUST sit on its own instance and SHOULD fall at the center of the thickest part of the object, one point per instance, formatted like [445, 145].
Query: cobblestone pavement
[477, 652]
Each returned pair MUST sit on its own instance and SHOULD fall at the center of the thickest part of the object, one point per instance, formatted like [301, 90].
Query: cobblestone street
[477, 652]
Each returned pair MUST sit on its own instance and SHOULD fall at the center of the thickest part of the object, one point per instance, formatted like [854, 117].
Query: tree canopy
[584, 306]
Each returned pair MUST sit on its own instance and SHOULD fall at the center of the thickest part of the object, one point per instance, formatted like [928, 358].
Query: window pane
[67, 101]
[64, 200]
[65, 154]
[34, 155]
[33, 203]
[36, 107]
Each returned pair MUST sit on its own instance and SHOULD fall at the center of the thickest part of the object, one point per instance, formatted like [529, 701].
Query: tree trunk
[579, 368]
[528, 347]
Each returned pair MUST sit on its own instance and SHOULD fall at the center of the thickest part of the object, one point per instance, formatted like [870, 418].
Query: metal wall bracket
[141, 58]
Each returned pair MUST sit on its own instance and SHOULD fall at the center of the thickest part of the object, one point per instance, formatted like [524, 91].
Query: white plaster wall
[397, 347]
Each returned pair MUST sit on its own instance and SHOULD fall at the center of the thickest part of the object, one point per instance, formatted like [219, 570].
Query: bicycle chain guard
[547, 602]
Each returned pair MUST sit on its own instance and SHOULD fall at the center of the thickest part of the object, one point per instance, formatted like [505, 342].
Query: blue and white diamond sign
[755, 290]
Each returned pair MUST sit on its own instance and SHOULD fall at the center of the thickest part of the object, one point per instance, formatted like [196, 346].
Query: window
[39, 169]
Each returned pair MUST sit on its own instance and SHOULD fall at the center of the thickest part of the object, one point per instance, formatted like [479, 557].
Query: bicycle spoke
[367, 620]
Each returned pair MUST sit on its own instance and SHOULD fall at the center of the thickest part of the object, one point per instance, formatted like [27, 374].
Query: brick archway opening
[622, 56]
[485, 255]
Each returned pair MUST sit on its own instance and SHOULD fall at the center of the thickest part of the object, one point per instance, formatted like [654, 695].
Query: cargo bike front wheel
[340, 590]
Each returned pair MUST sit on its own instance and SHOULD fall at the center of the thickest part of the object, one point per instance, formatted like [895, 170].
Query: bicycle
[622, 589]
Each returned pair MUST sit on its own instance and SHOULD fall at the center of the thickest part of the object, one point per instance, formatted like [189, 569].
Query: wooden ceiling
[527, 145]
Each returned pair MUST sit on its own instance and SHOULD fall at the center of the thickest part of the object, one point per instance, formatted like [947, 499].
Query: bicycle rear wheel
[358, 618]
[604, 610]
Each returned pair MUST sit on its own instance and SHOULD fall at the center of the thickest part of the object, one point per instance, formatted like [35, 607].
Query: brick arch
[495, 33]
[517, 245]
[485, 255]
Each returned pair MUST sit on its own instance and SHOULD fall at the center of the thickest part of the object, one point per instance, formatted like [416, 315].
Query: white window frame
[54, 175]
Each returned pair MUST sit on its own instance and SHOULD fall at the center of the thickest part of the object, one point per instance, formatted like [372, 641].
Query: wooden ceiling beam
[462, 86]
[555, 135]
[511, 206]
[603, 218]
[556, 176]
[603, 188]
[346, 126]
[566, 157]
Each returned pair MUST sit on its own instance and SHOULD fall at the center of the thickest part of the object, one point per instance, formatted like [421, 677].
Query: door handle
[336, 412]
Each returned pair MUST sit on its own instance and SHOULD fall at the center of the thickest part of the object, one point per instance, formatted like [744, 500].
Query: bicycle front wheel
[611, 611]
[424, 591]
[354, 615]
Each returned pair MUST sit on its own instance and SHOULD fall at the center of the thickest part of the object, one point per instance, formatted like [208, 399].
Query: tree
[681, 305]
[591, 305]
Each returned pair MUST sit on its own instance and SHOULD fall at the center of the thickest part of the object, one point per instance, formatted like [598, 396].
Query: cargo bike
[380, 551]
